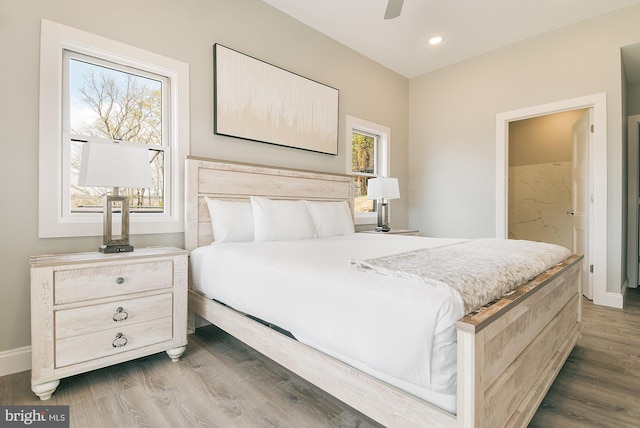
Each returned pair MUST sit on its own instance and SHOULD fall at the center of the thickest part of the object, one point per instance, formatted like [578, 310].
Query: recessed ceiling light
[436, 40]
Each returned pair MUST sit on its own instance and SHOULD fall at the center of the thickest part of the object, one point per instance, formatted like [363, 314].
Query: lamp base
[383, 228]
[110, 244]
[120, 248]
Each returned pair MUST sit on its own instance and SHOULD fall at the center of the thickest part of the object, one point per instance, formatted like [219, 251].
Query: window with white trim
[96, 89]
[368, 158]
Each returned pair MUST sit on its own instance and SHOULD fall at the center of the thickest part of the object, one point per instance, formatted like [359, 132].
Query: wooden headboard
[237, 181]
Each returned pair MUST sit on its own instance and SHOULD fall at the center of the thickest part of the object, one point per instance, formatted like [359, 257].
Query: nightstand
[92, 310]
[394, 232]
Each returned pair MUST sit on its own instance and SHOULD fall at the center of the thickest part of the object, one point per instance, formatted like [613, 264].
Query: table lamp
[382, 189]
[115, 165]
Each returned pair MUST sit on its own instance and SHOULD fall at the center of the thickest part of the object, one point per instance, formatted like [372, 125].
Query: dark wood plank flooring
[220, 382]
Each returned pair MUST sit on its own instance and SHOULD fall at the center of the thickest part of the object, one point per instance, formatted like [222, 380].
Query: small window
[368, 159]
[364, 157]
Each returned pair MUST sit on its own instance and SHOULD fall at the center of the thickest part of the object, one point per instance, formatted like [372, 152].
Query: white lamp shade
[114, 165]
[383, 188]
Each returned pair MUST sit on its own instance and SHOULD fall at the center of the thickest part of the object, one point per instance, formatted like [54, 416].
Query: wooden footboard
[510, 353]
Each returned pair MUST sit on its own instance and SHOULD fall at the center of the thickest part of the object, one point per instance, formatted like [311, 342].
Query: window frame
[383, 134]
[53, 161]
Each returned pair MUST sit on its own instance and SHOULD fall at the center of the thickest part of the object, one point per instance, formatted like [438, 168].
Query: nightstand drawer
[79, 349]
[75, 285]
[88, 319]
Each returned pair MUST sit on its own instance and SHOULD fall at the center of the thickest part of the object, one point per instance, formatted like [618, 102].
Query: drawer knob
[119, 280]
[120, 315]
[119, 341]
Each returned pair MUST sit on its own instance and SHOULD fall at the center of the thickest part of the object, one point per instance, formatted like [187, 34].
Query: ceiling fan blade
[394, 7]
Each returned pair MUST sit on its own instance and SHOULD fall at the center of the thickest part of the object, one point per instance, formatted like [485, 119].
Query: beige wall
[633, 98]
[185, 30]
[542, 139]
[453, 112]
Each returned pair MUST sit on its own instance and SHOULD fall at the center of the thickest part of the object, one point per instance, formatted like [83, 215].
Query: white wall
[452, 136]
[185, 30]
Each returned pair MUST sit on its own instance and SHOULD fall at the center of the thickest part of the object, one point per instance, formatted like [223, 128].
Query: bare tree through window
[111, 104]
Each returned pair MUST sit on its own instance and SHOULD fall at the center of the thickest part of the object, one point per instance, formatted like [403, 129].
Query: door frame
[633, 133]
[597, 170]
[580, 213]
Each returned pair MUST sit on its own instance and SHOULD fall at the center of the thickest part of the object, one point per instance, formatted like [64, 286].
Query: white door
[581, 189]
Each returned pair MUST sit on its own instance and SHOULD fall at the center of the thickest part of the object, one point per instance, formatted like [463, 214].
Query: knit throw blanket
[477, 271]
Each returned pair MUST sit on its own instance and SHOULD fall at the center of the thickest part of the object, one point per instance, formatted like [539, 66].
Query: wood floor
[599, 385]
[222, 383]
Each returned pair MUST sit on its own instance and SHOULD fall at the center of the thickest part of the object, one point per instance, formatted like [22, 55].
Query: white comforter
[399, 330]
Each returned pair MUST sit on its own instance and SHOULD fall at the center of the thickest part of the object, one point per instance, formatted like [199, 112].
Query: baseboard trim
[15, 360]
[613, 300]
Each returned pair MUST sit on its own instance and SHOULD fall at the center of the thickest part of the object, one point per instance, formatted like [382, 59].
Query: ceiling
[469, 27]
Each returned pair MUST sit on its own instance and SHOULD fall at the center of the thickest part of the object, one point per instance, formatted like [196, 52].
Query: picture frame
[255, 100]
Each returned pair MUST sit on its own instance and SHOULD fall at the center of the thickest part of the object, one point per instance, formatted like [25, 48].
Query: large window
[95, 89]
[108, 102]
[369, 159]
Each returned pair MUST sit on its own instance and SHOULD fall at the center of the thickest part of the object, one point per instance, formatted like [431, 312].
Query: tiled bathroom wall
[539, 202]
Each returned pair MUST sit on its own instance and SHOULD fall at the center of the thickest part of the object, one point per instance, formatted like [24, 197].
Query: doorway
[548, 184]
[597, 262]
[540, 176]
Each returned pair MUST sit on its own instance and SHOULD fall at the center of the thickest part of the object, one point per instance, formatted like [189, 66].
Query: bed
[508, 352]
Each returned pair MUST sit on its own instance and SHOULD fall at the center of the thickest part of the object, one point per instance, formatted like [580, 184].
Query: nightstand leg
[44, 390]
[176, 353]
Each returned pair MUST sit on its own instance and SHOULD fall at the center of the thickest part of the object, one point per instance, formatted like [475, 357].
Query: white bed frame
[509, 353]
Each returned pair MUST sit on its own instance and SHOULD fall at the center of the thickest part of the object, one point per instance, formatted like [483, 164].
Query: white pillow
[276, 220]
[231, 221]
[331, 218]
